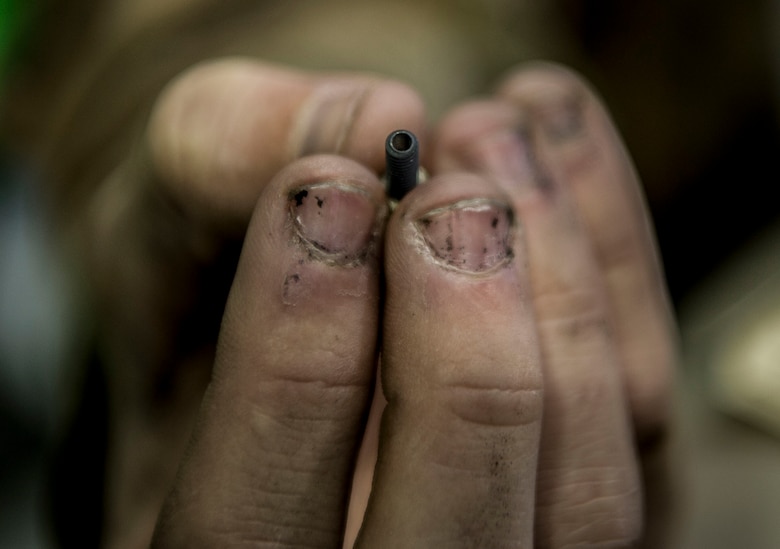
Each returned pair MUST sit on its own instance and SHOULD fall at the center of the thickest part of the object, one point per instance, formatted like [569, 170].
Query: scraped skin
[589, 489]
[164, 230]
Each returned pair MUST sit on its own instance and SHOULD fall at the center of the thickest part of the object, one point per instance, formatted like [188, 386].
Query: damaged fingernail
[336, 222]
[472, 236]
[327, 118]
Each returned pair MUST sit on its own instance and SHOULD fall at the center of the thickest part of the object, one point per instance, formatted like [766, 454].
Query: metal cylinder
[402, 156]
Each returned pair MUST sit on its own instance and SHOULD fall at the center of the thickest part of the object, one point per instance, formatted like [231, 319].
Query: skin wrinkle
[306, 136]
[617, 508]
[622, 532]
[351, 118]
[574, 479]
[298, 423]
[585, 301]
[512, 404]
[245, 538]
[320, 395]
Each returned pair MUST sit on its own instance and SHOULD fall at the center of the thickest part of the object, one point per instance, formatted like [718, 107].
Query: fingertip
[538, 79]
[211, 141]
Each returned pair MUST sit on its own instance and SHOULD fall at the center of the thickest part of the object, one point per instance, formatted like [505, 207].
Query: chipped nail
[336, 222]
[471, 236]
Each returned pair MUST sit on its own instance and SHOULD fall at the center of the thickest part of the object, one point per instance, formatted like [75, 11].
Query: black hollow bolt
[402, 155]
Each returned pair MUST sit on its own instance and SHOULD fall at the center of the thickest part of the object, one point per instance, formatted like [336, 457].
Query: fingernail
[326, 119]
[508, 154]
[471, 236]
[505, 155]
[561, 119]
[336, 222]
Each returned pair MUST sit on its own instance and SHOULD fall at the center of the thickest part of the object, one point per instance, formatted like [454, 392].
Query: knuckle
[573, 316]
[595, 507]
[618, 249]
[492, 406]
[304, 406]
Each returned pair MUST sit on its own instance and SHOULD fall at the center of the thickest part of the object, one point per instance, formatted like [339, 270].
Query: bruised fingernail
[471, 236]
[336, 222]
[327, 118]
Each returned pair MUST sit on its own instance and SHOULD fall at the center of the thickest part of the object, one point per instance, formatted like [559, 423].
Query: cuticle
[478, 204]
[465, 204]
[349, 185]
[315, 251]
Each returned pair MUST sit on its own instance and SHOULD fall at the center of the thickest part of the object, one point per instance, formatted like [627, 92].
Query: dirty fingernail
[336, 222]
[326, 119]
[471, 236]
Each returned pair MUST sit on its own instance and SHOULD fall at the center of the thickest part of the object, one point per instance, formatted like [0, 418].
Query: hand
[163, 233]
[525, 344]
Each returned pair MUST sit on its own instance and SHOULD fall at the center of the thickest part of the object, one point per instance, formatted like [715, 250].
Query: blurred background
[693, 85]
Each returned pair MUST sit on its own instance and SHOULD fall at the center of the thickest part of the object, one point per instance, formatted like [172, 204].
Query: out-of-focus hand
[607, 335]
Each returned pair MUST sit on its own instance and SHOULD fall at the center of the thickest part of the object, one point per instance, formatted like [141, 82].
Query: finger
[461, 374]
[164, 230]
[272, 454]
[588, 486]
[577, 135]
[223, 129]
